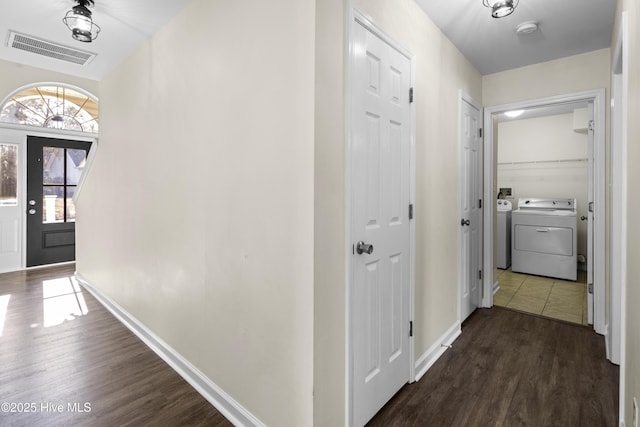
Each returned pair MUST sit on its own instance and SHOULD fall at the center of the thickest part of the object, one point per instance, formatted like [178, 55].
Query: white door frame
[465, 97]
[599, 176]
[17, 134]
[358, 18]
[616, 329]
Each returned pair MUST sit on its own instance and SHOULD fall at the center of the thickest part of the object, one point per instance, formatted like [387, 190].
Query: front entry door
[380, 197]
[470, 211]
[54, 168]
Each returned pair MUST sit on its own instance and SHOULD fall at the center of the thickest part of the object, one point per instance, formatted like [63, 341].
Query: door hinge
[410, 328]
[479, 203]
[479, 274]
[480, 132]
[590, 207]
[353, 249]
[411, 211]
[590, 288]
[410, 95]
[591, 125]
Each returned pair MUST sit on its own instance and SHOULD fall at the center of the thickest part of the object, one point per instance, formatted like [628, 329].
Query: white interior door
[590, 220]
[380, 196]
[470, 210]
[11, 208]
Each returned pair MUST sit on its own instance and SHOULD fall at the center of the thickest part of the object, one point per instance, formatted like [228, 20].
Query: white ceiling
[566, 27]
[125, 25]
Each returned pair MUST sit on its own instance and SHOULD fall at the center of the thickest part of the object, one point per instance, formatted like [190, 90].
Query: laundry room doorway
[517, 177]
[544, 160]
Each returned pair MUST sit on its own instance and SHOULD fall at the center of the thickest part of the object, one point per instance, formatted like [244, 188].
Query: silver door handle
[464, 222]
[364, 248]
[582, 218]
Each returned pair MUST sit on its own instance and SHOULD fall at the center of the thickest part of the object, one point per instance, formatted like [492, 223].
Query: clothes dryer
[544, 238]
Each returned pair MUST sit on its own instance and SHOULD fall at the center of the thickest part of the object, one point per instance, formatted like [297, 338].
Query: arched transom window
[54, 107]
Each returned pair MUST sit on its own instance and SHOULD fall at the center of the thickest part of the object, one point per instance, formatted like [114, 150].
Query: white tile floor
[555, 298]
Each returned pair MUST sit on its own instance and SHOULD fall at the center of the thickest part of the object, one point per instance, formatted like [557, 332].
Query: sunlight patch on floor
[4, 303]
[62, 301]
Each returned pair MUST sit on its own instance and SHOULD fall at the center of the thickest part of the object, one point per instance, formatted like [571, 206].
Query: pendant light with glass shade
[79, 21]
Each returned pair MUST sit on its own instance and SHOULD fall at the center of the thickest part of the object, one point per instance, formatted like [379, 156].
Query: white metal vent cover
[46, 48]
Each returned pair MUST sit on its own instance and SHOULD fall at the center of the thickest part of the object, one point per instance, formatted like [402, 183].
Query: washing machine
[504, 234]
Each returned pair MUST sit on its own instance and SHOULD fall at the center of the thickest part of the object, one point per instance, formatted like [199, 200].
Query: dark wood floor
[70, 368]
[59, 346]
[512, 369]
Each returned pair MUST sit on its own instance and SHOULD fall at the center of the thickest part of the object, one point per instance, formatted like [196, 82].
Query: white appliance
[504, 234]
[544, 238]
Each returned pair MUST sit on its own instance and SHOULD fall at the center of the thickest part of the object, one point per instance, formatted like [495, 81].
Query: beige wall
[540, 139]
[577, 73]
[632, 338]
[330, 216]
[14, 76]
[197, 215]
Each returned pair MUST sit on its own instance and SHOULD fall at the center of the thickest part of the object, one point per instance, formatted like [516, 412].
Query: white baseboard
[224, 403]
[607, 341]
[436, 350]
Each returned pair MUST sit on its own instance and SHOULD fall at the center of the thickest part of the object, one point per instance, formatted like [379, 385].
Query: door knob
[364, 248]
[582, 218]
[464, 222]
[32, 202]
[32, 211]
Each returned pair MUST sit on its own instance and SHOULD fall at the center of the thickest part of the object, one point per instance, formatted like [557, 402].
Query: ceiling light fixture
[514, 113]
[501, 8]
[79, 21]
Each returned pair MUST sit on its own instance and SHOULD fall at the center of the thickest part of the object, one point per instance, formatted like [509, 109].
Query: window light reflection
[62, 300]
[4, 303]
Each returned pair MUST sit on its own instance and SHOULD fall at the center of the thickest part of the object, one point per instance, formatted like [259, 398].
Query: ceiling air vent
[50, 49]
